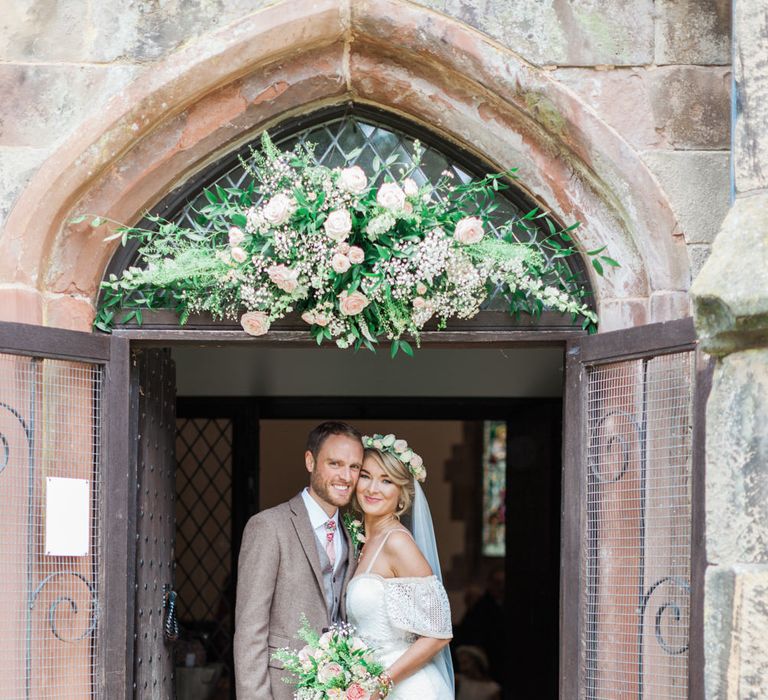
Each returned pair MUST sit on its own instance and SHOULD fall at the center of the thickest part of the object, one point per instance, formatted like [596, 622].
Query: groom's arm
[257, 575]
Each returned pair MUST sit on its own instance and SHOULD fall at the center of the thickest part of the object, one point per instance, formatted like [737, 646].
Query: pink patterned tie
[330, 550]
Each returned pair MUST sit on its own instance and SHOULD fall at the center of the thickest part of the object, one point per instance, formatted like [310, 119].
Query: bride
[398, 603]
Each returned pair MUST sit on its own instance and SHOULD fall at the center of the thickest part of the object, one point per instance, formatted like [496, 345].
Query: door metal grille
[50, 426]
[637, 541]
[204, 535]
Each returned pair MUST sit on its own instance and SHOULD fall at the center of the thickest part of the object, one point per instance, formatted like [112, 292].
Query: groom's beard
[325, 490]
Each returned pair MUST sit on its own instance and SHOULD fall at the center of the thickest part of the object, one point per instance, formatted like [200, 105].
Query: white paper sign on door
[67, 511]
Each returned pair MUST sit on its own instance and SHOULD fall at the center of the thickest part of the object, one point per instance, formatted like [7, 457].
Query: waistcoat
[333, 580]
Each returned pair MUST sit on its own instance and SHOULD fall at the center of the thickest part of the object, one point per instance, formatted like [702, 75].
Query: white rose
[410, 187]
[421, 288]
[378, 444]
[238, 254]
[356, 255]
[353, 180]
[342, 248]
[400, 446]
[416, 462]
[340, 263]
[236, 236]
[285, 278]
[279, 209]
[352, 304]
[419, 303]
[325, 640]
[255, 322]
[390, 196]
[338, 224]
[405, 458]
[469, 230]
[388, 440]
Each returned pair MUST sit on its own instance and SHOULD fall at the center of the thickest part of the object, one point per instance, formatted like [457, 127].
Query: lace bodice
[394, 611]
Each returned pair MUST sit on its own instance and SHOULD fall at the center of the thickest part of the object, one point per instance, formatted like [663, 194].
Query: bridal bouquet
[358, 256]
[336, 665]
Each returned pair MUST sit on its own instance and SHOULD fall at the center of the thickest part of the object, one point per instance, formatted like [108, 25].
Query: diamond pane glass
[352, 139]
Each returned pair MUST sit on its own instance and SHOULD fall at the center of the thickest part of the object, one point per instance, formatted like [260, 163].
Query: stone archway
[211, 96]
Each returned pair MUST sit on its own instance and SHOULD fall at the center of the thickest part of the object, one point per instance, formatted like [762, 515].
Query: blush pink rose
[357, 692]
[353, 180]
[255, 322]
[469, 230]
[338, 224]
[321, 320]
[238, 254]
[308, 317]
[283, 277]
[279, 209]
[329, 671]
[340, 263]
[352, 304]
[356, 255]
[236, 236]
[390, 196]
[419, 302]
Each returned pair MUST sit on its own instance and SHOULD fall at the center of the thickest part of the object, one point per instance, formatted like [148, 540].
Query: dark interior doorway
[218, 490]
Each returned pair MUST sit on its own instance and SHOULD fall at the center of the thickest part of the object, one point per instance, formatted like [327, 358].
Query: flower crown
[400, 450]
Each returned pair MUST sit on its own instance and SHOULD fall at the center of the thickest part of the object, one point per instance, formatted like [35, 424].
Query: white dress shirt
[318, 518]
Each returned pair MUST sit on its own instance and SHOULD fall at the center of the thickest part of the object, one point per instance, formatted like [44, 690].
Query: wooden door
[153, 412]
[632, 514]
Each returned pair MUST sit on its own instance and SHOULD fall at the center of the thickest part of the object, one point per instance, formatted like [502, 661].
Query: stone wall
[731, 311]
[654, 73]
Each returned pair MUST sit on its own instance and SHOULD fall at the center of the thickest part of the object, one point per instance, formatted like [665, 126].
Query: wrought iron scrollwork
[5, 448]
[603, 427]
[61, 600]
[667, 607]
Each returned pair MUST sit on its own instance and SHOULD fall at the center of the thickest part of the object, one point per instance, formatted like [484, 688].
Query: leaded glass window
[374, 138]
[494, 487]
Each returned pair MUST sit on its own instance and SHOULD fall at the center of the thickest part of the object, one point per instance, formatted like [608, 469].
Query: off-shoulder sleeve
[419, 605]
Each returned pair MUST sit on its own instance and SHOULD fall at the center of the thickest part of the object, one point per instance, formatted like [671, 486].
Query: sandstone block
[43, 104]
[668, 306]
[693, 32]
[697, 184]
[16, 167]
[737, 455]
[730, 294]
[21, 305]
[698, 254]
[100, 32]
[562, 32]
[736, 614]
[674, 107]
[751, 70]
[622, 313]
[70, 312]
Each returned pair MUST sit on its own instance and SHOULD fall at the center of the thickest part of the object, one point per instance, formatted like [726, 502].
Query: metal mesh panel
[50, 414]
[204, 536]
[638, 536]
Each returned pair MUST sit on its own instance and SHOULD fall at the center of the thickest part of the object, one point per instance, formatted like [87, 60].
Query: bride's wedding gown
[391, 613]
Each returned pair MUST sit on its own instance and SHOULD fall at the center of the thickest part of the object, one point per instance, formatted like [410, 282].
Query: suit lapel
[307, 537]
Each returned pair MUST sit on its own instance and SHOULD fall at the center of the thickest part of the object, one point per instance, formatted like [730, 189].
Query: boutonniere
[356, 532]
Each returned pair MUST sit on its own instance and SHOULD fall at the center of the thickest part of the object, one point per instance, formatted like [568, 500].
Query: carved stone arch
[216, 93]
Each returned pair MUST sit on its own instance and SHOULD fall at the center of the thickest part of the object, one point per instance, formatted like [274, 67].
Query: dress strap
[383, 542]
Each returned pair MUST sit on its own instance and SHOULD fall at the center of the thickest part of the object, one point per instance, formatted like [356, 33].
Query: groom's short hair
[322, 432]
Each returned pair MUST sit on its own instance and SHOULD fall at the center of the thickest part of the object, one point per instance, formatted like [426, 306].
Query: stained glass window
[494, 487]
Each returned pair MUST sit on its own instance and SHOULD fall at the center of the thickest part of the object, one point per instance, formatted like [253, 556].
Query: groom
[295, 560]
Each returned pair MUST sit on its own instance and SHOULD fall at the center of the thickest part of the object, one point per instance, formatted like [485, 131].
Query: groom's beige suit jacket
[279, 578]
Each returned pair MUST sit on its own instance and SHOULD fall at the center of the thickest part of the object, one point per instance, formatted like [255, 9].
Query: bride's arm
[405, 560]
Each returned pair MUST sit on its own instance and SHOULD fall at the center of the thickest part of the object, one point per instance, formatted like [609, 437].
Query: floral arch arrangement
[361, 256]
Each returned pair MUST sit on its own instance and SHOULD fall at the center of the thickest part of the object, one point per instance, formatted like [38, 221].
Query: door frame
[578, 348]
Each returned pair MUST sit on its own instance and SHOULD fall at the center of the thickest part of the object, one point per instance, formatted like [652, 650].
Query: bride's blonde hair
[398, 473]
